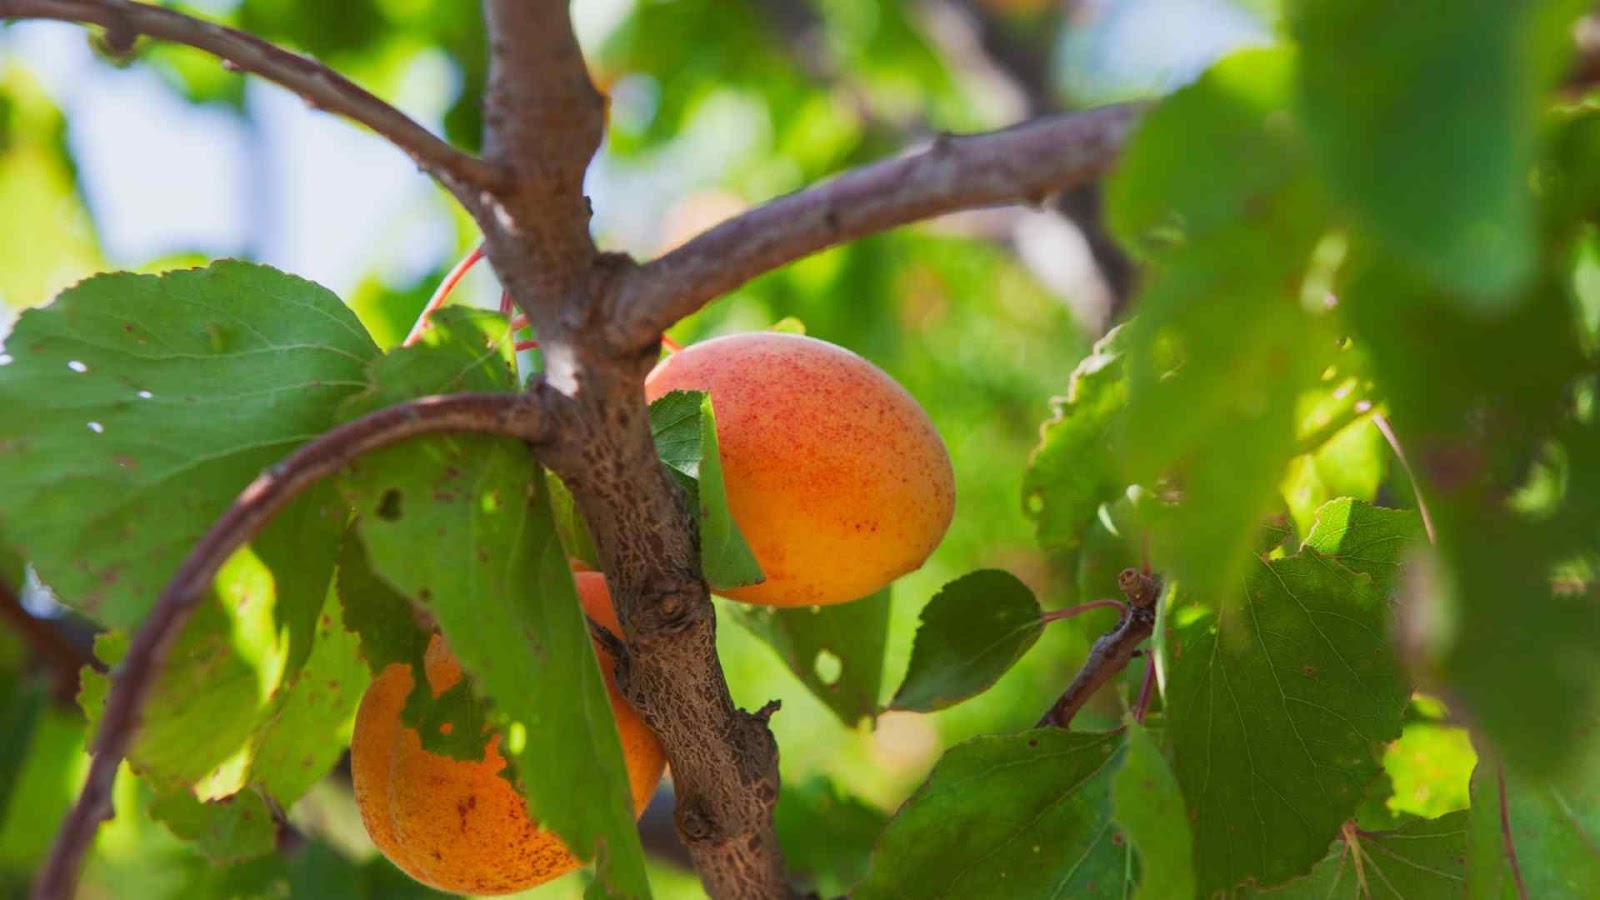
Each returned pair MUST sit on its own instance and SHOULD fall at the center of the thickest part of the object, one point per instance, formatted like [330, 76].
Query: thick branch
[724, 760]
[515, 415]
[1026, 163]
[543, 120]
[1111, 653]
[321, 87]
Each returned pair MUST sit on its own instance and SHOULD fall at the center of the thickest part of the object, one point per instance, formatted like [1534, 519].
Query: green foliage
[1148, 806]
[1278, 701]
[959, 834]
[972, 631]
[685, 430]
[21, 709]
[1421, 859]
[1552, 828]
[827, 835]
[526, 653]
[836, 651]
[134, 400]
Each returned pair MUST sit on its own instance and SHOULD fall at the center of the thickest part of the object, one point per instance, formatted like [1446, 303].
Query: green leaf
[836, 651]
[1430, 768]
[1214, 191]
[1277, 709]
[1020, 816]
[379, 615]
[1368, 539]
[319, 870]
[685, 431]
[1072, 470]
[1423, 859]
[1148, 807]
[1515, 655]
[494, 577]
[306, 729]
[1554, 828]
[52, 768]
[134, 409]
[1423, 115]
[22, 705]
[972, 632]
[827, 835]
[229, 830]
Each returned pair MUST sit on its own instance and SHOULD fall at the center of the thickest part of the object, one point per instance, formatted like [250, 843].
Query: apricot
[457, 825]
[836, 476]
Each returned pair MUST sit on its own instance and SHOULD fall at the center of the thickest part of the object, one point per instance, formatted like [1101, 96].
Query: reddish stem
[1071, 611]
[1505, 833]
[442, 293]
[671, 345]
[1405, 464]
[525, 345]
[1145, 691]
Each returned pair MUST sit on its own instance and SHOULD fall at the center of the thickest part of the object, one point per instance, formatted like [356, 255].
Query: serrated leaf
[1278, 706]
[1554, 829]
[836, 651]
[228, 830]
[971, 633]
[1148, 807]
[1424, 117]
[1072, 470]
[685, 430]
[492, 573]
[1422, 859]
[134, 409]
[1020, 816]
[1368, 539]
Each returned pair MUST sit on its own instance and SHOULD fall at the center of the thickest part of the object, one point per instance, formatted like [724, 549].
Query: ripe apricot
[835, 474]
[457, 825]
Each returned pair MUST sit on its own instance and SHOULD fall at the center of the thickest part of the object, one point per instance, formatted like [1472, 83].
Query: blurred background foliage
[166, 160]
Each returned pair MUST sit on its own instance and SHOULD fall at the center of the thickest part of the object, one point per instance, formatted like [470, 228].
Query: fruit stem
[442, 293]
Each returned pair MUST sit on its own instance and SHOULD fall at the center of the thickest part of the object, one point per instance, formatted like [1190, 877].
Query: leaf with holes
[972, 632]
[1021, 816]
[685, 430]
[1422, 859]
[1278, 705]
[140, 399]
[496, 581]
[837, 651]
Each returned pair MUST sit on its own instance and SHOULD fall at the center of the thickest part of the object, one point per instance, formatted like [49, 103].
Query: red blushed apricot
[835, 474]
[457, 825]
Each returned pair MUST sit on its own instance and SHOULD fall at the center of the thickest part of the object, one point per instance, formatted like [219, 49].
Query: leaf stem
[1405, 465]
[442, 293]
[1069, 612]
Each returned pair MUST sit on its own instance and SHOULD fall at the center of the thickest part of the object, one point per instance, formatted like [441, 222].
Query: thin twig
[1025, 163]
[1111, 653]
[458, 171]
[514, 415]
[1146, 690]
[65, 659]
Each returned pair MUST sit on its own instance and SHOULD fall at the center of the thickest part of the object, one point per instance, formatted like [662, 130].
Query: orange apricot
[457, 825]
[836, 476]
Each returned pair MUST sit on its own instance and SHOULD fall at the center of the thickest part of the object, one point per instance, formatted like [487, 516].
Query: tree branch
[543, 120]
[1025, 163]
[1111, 653]
[458, 171]
[515, 415]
